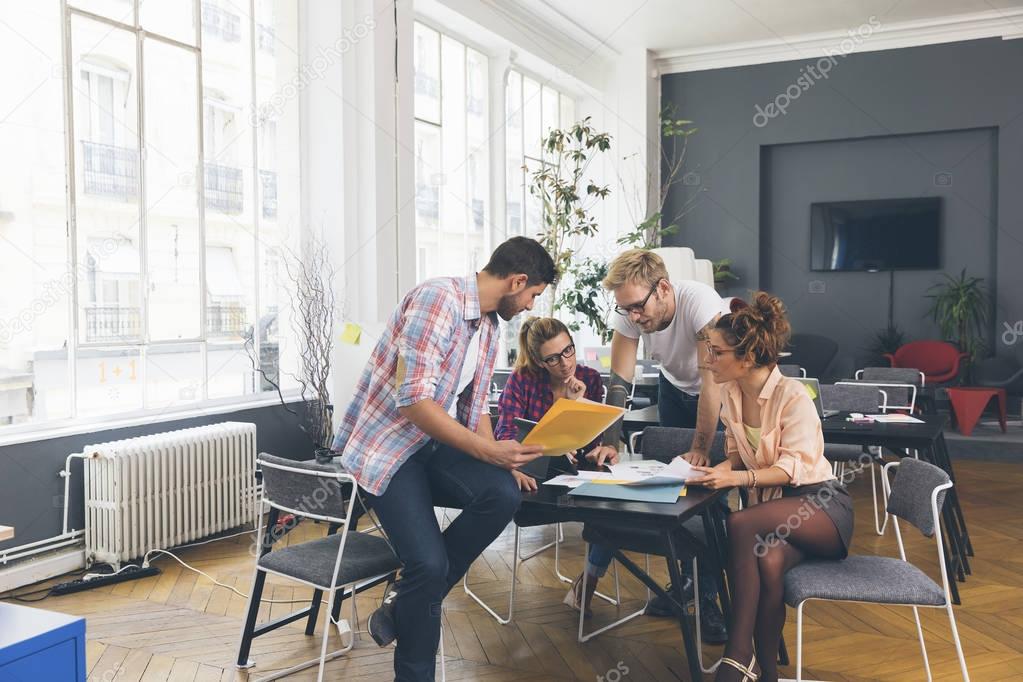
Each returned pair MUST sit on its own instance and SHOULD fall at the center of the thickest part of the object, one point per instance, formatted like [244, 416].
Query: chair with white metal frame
[341, 564]
[916, 496]
[521, 521]
[900, 393]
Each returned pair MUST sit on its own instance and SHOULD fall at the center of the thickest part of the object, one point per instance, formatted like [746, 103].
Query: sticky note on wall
[351, 333]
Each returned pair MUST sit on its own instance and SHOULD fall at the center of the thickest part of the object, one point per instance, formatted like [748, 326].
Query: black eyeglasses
[553, 360]
[637, 308]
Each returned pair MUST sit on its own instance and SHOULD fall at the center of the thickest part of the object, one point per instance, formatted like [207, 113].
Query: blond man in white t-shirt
[672, 318]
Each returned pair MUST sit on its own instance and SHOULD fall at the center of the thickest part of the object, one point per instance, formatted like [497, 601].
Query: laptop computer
[813, 388]
[543, 467]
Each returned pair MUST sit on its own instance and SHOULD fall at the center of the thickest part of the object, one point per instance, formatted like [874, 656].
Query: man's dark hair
[525, 256]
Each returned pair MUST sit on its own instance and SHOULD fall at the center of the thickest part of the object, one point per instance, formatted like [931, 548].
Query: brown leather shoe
[575, 596]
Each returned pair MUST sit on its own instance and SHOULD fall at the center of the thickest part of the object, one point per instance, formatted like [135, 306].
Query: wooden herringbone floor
[180, 626]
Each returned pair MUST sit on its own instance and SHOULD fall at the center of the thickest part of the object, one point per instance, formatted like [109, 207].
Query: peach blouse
[790, 433]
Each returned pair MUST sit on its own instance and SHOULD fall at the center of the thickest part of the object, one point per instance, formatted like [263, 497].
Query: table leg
[954, 554]
[713, 528]
[942, 452]
[1001, 410]
[692, 655]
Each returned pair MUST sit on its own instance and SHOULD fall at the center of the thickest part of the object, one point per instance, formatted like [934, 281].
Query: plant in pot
[568, 195]
[313, 309]
[723, 273]
[588, 299]
[960, 307]
[887, 340]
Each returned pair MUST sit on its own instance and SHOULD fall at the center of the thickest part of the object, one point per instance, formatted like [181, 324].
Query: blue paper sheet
[648, 493]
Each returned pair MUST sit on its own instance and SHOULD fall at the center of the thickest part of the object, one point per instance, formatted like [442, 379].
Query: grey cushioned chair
[916, 496]
[341, 564]
[792, 371]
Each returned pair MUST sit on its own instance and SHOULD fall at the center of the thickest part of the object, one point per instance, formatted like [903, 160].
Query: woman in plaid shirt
[546, 370]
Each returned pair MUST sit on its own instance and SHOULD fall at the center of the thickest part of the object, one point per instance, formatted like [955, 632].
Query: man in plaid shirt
[418, 434]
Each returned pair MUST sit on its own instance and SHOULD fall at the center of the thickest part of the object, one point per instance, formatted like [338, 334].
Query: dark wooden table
[553, 503]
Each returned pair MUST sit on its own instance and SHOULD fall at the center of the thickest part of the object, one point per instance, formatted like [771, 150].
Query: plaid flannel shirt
[418, 357]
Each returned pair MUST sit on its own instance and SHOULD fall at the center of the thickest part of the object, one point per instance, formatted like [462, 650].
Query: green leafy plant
[723, 273]
[588, 298]
[651, 229]
[960, 308]
[887, 340]
[566, 194]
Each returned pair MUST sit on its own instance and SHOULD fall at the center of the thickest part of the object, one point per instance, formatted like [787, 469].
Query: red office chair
[938, 360]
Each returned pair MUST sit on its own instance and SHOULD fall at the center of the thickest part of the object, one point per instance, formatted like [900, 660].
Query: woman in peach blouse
[797, 508]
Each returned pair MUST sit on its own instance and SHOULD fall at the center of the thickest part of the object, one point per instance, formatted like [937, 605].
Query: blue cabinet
[37, 645]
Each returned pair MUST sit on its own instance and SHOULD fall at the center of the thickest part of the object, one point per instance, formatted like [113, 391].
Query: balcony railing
[224, 188]
[428, 201]
[265, 38]
[217, 21]
[268, 179]
[111, 323]
[110, 171]
[225, 319]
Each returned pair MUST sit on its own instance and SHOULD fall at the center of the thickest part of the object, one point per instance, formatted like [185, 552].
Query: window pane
[109, 381]
[229, 183]
[171, 18]
[454, 203]
[477, 136]
[172, 194]
[426, 62]
[513, 150]
[551, 110]
[567, 112]
[106, 183]
[173, 375]
[36, 278]
[120, 10]
[278, 144]
[532, 127]
[428, 178]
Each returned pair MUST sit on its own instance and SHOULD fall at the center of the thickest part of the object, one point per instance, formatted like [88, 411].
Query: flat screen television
[887, 234]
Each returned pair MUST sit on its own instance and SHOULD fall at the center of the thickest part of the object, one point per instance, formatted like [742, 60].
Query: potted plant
[723, 273]
[313, 307]
[887, 340]
[567, 195]
[960, 308]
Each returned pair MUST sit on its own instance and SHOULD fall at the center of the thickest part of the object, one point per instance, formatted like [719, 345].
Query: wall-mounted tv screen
[888, 234]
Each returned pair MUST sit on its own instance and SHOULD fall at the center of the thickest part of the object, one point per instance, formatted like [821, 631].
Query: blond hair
[635, 266]
[535, 332]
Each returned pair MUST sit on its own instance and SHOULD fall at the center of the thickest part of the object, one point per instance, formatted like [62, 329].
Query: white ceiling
[671, 25]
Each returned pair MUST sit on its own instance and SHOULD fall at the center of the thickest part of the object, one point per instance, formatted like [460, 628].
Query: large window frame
[86, 279]
[432, 197]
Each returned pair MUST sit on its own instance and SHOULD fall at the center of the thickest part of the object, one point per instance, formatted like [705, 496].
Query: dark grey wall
[31, 492]
[871, 109]
[853, 304]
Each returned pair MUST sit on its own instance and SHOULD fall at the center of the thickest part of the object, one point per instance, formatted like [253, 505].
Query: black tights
[758, 560]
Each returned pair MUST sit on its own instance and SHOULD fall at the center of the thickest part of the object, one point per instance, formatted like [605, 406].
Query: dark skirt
[833, 499]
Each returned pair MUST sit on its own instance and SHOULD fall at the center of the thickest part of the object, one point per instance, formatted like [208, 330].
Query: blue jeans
[676, 409]
[432, 561]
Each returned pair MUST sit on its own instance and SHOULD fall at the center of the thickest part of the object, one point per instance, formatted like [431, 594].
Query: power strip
[80, 585]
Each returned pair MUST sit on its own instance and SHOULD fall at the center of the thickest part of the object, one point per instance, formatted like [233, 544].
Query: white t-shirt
[472, 355]
[674, 347]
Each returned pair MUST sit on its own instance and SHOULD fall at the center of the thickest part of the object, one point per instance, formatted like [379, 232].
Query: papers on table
[635, 474]
[571, 424]
[655, 473]
[895, 419]
[665, 494]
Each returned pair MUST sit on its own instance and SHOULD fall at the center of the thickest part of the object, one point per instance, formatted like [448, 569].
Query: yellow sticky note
[811, 391]
[605, 361]
[351, 334]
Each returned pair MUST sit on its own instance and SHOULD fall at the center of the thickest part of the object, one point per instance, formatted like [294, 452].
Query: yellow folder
[572, 424]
